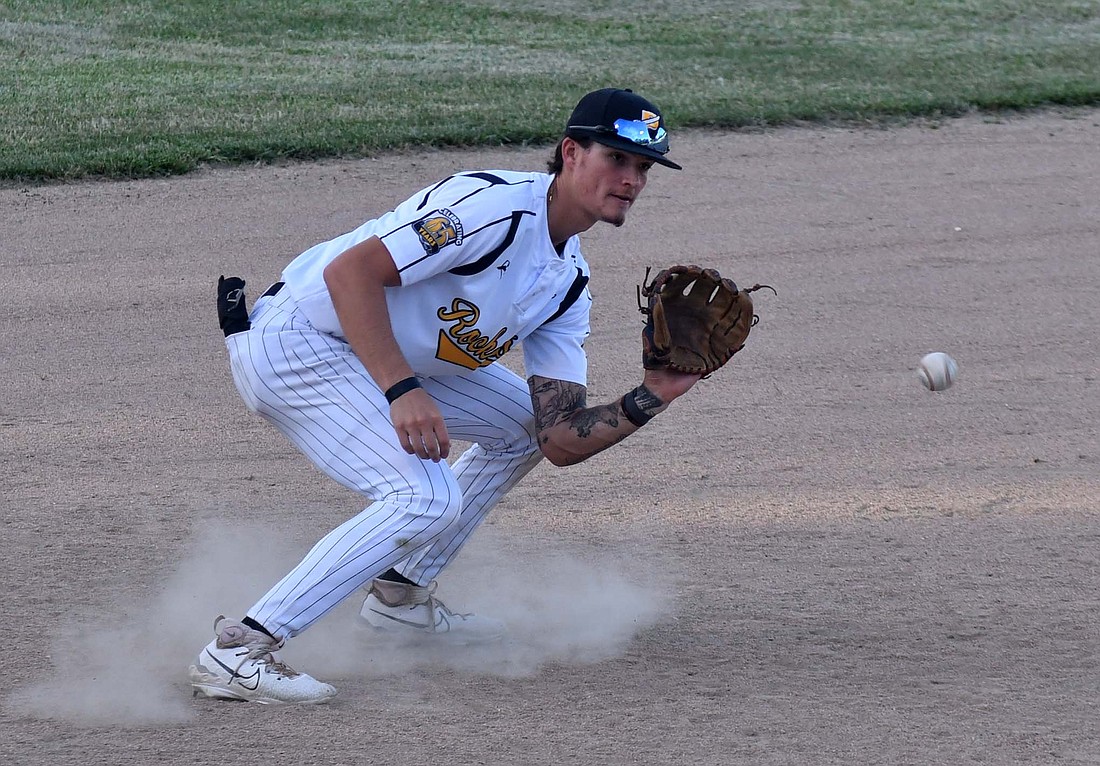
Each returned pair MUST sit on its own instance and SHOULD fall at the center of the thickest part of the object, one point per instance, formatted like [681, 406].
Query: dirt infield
[808, 560]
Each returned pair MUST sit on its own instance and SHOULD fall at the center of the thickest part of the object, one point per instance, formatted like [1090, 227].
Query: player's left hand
[668, 384]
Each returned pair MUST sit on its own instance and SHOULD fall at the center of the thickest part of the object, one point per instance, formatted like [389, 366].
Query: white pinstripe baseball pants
[314, 389]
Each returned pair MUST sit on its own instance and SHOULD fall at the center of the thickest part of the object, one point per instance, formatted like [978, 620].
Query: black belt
[273, 289]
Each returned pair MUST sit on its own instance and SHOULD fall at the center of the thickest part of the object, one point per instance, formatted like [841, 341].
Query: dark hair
[554, 166]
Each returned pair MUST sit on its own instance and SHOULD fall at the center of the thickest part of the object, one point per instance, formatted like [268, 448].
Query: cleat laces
[266, 656]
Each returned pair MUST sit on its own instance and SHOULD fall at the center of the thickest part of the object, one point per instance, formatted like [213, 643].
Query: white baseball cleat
[240, 664]
[412, 611]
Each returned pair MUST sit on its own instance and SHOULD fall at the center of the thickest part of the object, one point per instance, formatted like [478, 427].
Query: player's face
[609, 180]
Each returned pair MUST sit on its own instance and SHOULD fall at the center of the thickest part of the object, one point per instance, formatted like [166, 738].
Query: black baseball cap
[621, 118]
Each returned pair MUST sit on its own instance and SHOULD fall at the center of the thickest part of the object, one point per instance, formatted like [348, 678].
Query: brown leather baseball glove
[696, 319]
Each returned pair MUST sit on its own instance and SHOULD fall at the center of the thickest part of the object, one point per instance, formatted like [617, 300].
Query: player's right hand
[419, 426]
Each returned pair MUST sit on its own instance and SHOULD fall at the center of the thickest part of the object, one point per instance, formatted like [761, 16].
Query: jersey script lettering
[465, 345]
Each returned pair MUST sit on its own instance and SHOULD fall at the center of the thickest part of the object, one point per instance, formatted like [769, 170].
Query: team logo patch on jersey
[438, 229]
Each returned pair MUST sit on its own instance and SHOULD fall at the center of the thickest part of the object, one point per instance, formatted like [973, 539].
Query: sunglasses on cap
[635, 131]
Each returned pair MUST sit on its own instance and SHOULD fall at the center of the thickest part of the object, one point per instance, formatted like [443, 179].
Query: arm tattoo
[579, 432]
[555, 400]
[584, 421]
[558, 400]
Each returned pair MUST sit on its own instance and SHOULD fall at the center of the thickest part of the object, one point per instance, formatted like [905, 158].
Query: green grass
[126, 89]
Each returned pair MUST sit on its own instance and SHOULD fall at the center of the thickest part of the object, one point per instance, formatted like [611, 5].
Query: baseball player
[378, 347]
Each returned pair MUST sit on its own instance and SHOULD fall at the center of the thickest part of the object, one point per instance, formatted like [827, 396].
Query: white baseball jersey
[479, 274]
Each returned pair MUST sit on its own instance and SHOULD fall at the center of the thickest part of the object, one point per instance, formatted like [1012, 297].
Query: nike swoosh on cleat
[411, 624]
[234, 674]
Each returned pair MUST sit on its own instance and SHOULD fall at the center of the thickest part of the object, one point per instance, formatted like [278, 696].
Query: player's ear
[570, 150]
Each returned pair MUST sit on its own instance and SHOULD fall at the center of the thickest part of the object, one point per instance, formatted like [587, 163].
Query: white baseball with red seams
[937, 371]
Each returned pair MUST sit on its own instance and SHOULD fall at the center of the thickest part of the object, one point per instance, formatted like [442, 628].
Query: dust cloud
[561, 604]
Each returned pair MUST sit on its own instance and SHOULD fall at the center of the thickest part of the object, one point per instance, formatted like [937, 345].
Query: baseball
[937, 371]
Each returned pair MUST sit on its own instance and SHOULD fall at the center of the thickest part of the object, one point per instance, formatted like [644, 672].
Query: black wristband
[633, 412]
[400, 388]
